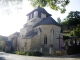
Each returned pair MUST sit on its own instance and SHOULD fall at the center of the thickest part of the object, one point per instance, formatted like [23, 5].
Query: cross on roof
[59, 41]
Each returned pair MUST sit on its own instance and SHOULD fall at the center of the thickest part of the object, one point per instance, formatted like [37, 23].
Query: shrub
[36, 53]
[65, 37]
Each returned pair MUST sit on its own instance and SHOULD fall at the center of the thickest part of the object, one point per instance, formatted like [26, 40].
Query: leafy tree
[59, 20]
[64, 24]
[6, 2]
[53, 4]
[2, 44]
[1, 41]
[72, 20]
[76, 32]
[65, 37]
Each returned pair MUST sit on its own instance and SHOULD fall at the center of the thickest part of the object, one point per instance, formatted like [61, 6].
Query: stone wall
[46, 31]
[35, 43]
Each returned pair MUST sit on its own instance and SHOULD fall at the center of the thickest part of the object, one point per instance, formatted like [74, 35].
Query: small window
[40, 30]
[52, 30]
[36, 14]
[43, 15]
[28, 17]
[45, 39]
[31, 16]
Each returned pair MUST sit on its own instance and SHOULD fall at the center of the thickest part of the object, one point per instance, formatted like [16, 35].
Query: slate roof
[47, 21]
[42, 10]
[30, 34]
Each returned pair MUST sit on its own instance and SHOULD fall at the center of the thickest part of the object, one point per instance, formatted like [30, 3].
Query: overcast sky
[13, 17]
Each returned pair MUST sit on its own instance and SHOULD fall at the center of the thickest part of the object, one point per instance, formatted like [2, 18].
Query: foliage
[72, 20]
[64, 23]
[65, 37]
[36, 53]
[6, 2]
[53, 4]
[1, 41]
[76, 31]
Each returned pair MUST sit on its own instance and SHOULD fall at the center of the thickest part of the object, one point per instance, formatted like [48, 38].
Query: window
[28, 17]
[36, 14]
[43, 15]
[51, 35]
[45, 39]
[52, 31]
[40, 30]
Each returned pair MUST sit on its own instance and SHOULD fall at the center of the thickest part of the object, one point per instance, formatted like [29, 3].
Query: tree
[76, 32]
[64, 24]
[6, 2]
[59, 20]
[72, 20]
[2, 43]
[53, 4]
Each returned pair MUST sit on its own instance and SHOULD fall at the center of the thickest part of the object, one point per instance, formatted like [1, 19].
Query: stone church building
[41, 32]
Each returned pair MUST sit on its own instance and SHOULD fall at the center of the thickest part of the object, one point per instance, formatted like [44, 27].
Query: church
[40, 33]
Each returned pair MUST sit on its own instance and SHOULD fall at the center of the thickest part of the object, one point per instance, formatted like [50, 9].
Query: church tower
[36, 16]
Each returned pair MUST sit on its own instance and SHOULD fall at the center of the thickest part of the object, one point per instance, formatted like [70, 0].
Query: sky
[13, 17]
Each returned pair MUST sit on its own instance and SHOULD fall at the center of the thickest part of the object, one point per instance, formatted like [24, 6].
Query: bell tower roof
[41, 10]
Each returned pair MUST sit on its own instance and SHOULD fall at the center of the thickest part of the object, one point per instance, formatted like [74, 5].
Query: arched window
[51, 35]
[31, 16]
[36, 14]
[52, 31]
[40, 30]
[45, 39]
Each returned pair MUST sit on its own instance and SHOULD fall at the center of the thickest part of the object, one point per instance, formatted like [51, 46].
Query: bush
[36, 53]
[65, 37]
